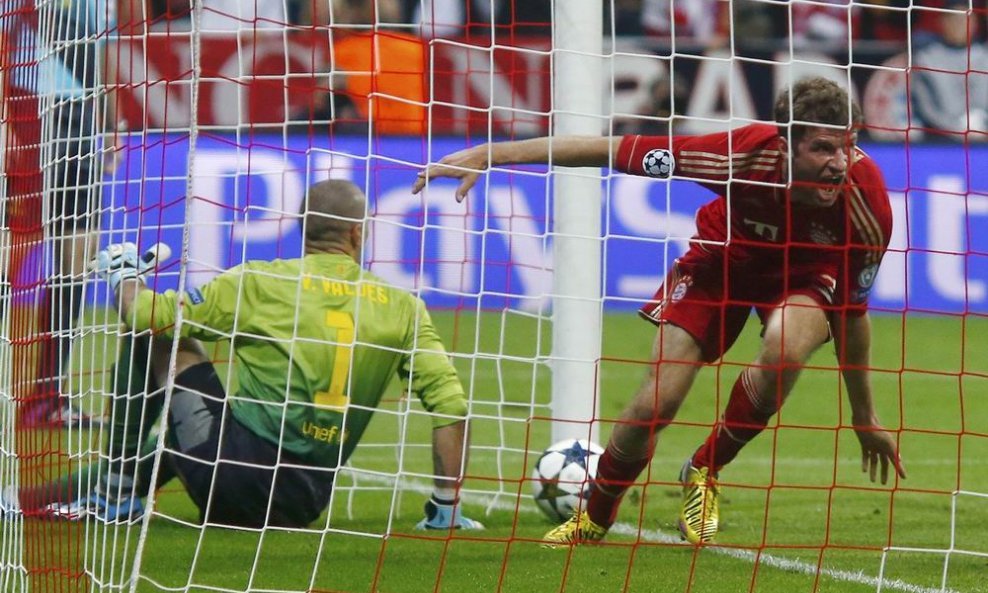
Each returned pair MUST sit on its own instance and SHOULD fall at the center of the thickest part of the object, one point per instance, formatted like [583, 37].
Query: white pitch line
[782, 563]
[658, 536]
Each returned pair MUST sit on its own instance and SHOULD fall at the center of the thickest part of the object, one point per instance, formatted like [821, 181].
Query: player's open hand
[878, 450]
[441, 514]
[465, 165]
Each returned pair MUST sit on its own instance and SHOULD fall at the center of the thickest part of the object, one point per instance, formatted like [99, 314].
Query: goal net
[200, 125]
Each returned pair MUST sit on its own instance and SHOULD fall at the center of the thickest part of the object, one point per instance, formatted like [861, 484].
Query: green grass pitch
[798, 514]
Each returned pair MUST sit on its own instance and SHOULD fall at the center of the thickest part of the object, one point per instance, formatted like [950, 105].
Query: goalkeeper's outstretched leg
[228, 493]
[113, 488]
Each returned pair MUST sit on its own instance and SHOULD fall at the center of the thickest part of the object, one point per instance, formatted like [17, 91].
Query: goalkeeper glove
[120, 261]
[445, 514]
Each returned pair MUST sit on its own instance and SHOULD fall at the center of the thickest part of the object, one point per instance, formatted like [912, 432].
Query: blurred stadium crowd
[942, 96]
[707, 22]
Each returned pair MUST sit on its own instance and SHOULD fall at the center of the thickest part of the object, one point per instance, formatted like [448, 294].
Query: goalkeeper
[316, 342]
[797, 232]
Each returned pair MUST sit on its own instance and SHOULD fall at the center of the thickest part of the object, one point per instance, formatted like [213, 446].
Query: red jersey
[772, 242]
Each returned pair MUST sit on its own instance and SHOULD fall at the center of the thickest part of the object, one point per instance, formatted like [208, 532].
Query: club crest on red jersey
[821, 235]
[679, 291]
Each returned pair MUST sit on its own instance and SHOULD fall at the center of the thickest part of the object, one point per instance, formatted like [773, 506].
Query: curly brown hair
[817, 100]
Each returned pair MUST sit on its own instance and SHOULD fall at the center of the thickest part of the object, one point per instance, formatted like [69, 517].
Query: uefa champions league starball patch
[658, 163]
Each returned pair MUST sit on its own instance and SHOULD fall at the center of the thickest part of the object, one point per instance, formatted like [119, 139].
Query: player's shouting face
[819, 165]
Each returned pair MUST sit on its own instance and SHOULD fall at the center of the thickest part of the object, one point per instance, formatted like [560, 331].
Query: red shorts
[693, 297]
[25, 180]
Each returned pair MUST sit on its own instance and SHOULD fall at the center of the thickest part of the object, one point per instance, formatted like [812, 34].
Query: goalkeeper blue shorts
[234, 476]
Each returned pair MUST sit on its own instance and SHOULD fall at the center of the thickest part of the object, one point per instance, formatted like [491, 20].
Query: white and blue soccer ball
[563, 477]
[658, 162]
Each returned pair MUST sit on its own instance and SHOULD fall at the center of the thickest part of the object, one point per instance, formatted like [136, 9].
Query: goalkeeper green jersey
[315, 343]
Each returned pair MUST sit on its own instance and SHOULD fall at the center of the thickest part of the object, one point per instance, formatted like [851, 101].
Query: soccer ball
[659, 163]
[563, 476]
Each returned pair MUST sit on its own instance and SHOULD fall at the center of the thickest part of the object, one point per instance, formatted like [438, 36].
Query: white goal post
[578, 93]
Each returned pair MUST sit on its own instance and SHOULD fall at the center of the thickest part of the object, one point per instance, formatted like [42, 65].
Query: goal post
[578, 95]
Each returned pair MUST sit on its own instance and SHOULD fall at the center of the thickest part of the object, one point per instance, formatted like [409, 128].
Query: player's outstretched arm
[879, 449]
[442, 510]
[567, 151]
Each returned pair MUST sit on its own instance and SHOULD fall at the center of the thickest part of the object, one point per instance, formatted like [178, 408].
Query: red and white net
[209, 121]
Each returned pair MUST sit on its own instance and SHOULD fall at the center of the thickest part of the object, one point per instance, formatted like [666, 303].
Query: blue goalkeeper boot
[126, 509]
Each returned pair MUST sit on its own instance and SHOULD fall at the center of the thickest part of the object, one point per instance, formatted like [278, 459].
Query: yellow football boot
[578, 529]
[700, 512]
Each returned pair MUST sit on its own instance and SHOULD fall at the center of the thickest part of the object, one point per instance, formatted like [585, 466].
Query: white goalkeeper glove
[445, 514]
[120, 261]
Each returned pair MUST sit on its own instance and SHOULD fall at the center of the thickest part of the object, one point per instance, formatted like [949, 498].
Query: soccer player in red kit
[797, 232]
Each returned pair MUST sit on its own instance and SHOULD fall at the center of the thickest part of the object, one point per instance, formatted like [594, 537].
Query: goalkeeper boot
[58, 413]
[68, 416]
[700, 512]
[579, 529]
[126, 509]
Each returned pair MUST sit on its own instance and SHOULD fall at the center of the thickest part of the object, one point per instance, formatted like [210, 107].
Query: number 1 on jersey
[336, 396]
